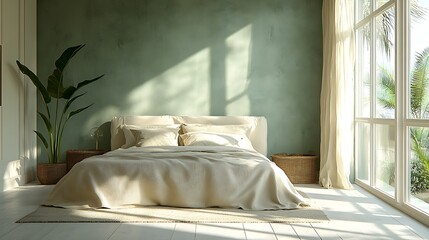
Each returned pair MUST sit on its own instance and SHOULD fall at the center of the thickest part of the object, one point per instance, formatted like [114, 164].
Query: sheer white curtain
[336, 102]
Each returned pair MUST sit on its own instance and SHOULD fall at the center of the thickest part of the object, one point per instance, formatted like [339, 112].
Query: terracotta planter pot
[49, 174]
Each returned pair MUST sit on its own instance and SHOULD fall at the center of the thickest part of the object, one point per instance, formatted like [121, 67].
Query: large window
[392, 101]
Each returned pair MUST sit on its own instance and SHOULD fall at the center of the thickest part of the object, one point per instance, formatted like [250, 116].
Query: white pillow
[216, 139]
[150, 135]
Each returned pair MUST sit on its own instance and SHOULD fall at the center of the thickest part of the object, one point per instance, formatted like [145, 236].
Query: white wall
[18, 110]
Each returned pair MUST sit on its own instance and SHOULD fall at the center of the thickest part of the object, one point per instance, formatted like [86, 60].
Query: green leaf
[55, 87]
[86, 82]
[69, 102]
[46, 121]
[45, 143]
[64, 59]
[68, 92]
[419, 83]
[71, 114]
[55, 84]
[386, 89]
[43, 91]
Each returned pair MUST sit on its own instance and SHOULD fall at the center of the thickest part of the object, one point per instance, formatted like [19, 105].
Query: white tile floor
[354, 214]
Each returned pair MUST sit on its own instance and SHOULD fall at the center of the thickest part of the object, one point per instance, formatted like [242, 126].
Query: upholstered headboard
[257, 134]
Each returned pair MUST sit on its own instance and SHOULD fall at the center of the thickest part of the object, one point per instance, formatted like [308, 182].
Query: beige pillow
[216, 139]
[130, 138]
[136, 134]
[167, 136]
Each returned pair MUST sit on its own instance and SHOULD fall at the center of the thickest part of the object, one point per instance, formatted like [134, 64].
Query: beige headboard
[257, 135]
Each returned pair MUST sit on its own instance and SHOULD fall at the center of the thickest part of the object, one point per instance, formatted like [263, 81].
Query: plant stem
[51, 138]
[56, 157]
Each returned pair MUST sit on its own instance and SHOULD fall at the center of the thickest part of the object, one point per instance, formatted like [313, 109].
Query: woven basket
[48, 173]
[299, 168]
[75, 156]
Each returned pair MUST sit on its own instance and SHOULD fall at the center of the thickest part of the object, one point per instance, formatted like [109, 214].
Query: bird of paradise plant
[57, 101]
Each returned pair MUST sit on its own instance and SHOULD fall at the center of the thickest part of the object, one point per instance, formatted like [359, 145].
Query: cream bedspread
[195, 177]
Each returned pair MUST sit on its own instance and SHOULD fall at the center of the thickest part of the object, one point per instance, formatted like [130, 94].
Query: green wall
[191, 57]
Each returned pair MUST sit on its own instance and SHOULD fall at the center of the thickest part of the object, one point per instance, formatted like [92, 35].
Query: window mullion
[416, 122]
[374, 13]
[400, 83]
[373, 43]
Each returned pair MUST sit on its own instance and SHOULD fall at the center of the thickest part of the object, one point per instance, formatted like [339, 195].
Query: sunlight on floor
[354, 214]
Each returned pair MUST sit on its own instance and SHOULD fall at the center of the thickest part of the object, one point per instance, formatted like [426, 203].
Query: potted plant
[58, 101]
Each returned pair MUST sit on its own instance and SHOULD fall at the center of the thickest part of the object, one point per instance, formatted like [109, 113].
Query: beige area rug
[160, 214]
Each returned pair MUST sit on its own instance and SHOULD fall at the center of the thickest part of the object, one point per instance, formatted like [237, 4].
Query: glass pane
[363, 68]
[363, 156]
[419, 57]
[380, 3]
[385, 158]
[419, 167]
[385, 64]
[363, 9]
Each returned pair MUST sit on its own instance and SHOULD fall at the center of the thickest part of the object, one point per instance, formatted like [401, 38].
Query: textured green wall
[191, 57]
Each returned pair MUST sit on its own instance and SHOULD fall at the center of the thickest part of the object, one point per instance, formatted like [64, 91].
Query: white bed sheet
[195, 177]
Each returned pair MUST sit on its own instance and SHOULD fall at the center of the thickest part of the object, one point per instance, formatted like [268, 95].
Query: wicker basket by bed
[77, 155]
[299, 168]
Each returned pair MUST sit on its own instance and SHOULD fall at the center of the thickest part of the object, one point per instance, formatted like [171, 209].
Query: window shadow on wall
[188, 57]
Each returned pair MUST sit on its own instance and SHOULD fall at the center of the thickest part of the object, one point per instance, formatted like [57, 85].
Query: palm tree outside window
[392, 131]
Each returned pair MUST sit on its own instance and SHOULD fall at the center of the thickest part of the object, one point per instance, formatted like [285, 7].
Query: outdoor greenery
[419, 89]
[385, 23]
[387, 172]
[419, 177]
[57, 100]
[419, 109]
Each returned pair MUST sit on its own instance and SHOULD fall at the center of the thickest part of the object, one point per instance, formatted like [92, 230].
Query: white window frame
[402, 120]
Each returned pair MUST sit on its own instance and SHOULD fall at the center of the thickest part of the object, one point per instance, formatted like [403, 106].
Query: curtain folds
[337, 95]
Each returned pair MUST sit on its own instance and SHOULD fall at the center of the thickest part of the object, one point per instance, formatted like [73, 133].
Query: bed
[180, 161]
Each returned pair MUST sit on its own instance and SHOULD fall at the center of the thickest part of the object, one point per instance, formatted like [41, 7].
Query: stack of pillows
[187, 135]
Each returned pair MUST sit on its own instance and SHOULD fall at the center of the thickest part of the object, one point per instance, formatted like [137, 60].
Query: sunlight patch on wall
[237, 71]
[182, 89]
[12, 174]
